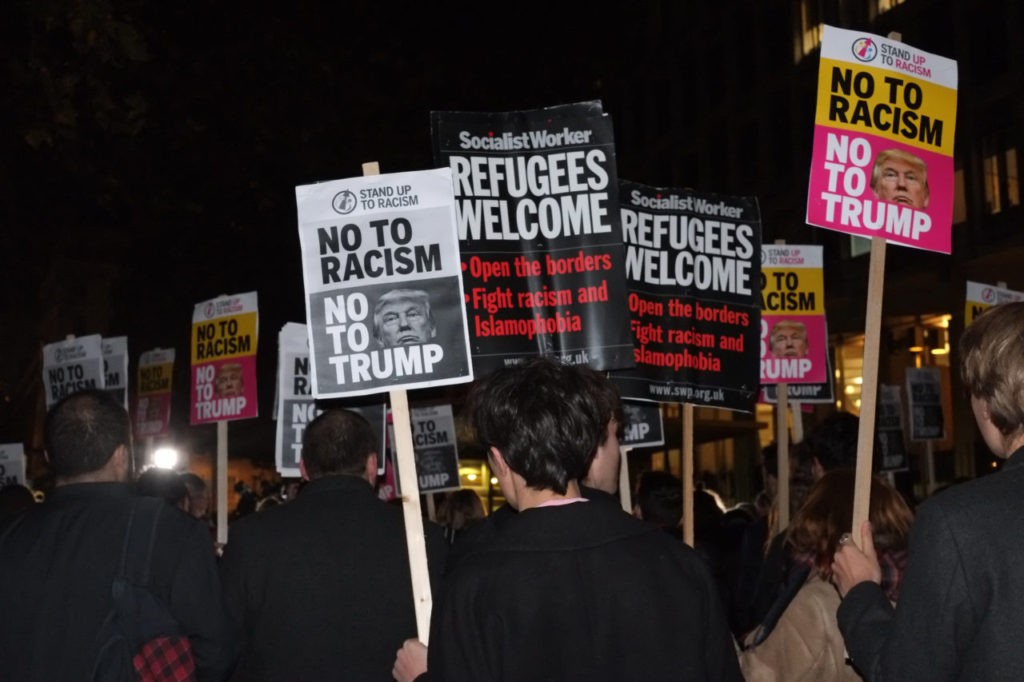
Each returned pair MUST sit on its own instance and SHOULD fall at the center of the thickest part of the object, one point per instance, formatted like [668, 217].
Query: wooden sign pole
[869, 389]
[222, 483]
[405, 460]
[688, 474]
[625, 494]
[782, 445]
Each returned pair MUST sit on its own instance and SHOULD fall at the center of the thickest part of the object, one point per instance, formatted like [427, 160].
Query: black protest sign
[892, 450]
[434, 442]
[537, 216]
[693, 267]
[643, 425]
[924, 389]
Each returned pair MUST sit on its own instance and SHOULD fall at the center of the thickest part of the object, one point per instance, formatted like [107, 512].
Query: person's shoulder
[985, 492]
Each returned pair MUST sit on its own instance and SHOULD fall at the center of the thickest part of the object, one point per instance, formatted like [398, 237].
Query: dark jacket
[580, 592]
[319, 588]
[57, 565]
[961, 605]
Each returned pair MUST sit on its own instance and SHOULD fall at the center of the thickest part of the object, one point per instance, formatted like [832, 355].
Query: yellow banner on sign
[788, 290]
[867, 99]
[225, 337]
[155, 379]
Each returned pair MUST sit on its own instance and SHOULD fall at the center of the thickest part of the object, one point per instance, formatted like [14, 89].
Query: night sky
[157, 147]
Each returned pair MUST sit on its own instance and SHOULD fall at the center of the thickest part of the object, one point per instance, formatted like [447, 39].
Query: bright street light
[165, 458]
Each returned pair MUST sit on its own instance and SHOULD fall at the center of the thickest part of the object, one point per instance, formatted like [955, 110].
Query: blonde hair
[992, 363]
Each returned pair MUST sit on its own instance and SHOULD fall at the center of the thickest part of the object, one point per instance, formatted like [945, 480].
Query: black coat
[57, 565]
[319, 588]
[580, 592]
[961, 606]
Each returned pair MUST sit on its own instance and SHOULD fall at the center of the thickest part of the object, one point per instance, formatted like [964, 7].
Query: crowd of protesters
[558, 584]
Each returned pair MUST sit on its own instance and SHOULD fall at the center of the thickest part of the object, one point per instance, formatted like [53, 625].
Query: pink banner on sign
[224, 390]
[794, 349]
[860, 186]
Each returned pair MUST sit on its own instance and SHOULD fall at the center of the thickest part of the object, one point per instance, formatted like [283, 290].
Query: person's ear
[302, 470]
[370, 473]
[121, 462]
[498, 463]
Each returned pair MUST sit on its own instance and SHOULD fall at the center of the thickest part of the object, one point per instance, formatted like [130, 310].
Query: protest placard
[794, 335]
[434, 442]
[223, 376]
[981, 297]
[537, 214]
[74, 364]
[295, 404]
[115, 367]
[924, 391]
[892, 455]
[384, 299]
[12, 465]
[882, 163]
[153, 394]
[643, 425]
[693, 264]
[296, 407]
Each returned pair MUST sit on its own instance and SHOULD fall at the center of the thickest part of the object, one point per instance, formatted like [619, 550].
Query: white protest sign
[296, 407]
[12, 464]
[75, 364]
[115, 367]
[384, 297]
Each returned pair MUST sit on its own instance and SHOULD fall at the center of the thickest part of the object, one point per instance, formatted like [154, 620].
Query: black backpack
[138, 616]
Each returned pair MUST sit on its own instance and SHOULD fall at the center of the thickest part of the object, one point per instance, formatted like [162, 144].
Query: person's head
[827, 513]
[165, 484]
[339, 442]
[603, 473]
[992, 368]
[540, 419]
[460, 508]
[832, 444]
[402, 317]
[228, 382]
[900, 177]
[659, 498]
[198, 494]
[88, 434]
[788, 339]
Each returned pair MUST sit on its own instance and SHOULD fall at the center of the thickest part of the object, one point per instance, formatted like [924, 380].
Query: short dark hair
[609, 403]
[337, 442]
[834, 441]
[163, 483]
[194, 482]
[543, 419]
[659, 494]
[83, 430]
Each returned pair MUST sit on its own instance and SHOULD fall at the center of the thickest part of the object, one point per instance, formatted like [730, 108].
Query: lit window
[886, 5]
[809, 31]
[999, 174]
[993, 200]
[1012, 179]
